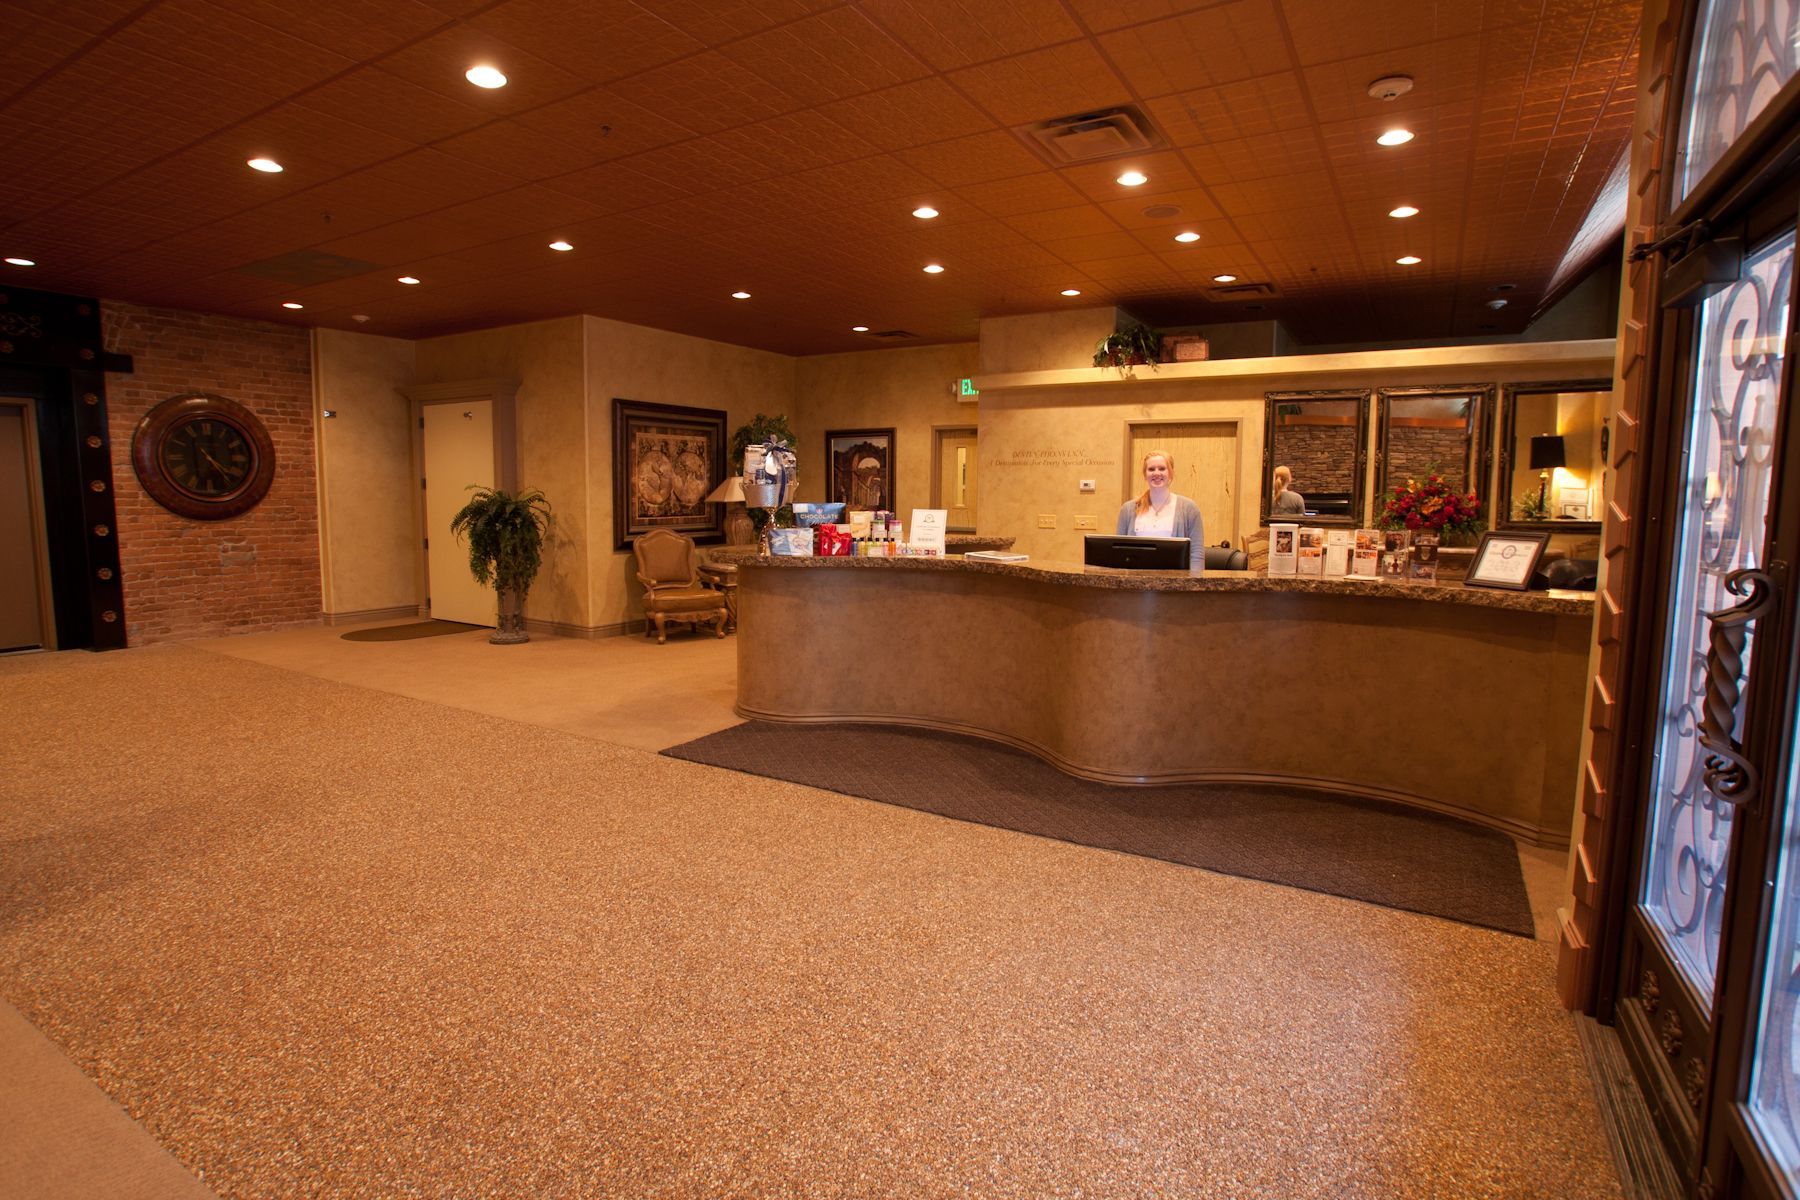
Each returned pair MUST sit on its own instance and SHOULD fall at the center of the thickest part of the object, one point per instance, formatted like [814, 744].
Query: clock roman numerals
[207, 458]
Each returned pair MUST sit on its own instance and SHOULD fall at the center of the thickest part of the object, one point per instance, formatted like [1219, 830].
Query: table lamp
[738, 530]
[1547, 453]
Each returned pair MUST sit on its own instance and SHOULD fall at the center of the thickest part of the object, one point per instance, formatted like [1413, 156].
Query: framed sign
[666, 459]
[860, 466]
[1507, 559]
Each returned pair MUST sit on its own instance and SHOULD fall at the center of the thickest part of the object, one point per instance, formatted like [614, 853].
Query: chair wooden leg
[662, 635]
[719, 623]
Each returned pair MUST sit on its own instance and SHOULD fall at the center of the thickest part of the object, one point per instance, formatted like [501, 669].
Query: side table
[722, 577]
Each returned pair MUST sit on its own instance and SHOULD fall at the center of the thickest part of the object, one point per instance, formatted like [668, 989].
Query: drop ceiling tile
[1117, 244]
[613, 187]
[376, 100]
[708, 91]
[1021, 194]
[1241, 39]
[351, 27]
[794, 142]
[517, 151]
[1079, 221]
[912, 114]
[1099, 182]
[598, 40]
[1055, 82]
[718, 21]
[1242, 108]
[33, 46]
[606, 124]
[826, 57]
[958, 33]
[979, 158]
[1445, 72]
[1326, 32]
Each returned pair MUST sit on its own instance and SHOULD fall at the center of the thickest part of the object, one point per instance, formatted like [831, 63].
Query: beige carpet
[328, 941]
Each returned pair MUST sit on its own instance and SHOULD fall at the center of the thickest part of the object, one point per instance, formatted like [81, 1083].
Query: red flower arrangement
[1431, 505]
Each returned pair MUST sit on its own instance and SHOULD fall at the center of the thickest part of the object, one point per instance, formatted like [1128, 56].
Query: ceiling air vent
[1093, 136]
[894, 335]
[303, 268]
[1242, 291]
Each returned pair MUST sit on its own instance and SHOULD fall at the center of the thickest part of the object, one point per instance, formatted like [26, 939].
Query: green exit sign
[966, 387]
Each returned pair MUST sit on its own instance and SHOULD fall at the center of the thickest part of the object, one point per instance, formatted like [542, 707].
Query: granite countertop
[1558, 603]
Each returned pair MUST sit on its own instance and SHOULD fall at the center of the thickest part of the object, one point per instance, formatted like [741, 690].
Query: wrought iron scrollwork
[1729, 775]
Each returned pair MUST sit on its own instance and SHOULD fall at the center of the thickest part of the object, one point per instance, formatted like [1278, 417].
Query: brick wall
[206, 578]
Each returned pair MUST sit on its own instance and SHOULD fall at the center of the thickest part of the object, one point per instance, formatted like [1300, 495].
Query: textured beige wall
[634, 363]
[545, 357]
[908, 389]
[368, 519]
[1045, 341]
[1038, 443]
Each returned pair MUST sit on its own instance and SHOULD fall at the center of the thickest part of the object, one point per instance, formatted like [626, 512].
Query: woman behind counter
[1158, 512]
[1287, 501]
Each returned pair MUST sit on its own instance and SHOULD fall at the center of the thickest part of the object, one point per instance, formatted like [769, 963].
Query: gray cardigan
[1187, 520]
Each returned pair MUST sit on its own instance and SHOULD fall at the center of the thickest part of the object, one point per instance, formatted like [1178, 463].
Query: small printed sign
[928, 528]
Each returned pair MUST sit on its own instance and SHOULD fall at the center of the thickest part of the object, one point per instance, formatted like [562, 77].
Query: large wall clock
[203, 456]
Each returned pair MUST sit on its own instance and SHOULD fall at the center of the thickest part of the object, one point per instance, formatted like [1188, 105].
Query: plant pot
[510, 630]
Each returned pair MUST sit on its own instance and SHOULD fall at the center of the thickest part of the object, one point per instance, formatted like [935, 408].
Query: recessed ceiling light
[740, 295]
[1497, 303]
[1187, 236]
[267, 166]
[859, 329]
[485, 77]
[561, 246]
[360, 318]
[1071, 291]
[925, 212]
[1409, 260]
[1404, 211]
[21, 262]
[408, 279]
[292, 304]
[1224, 278]
[1396, 137]
[1134, 178]
[933, 269]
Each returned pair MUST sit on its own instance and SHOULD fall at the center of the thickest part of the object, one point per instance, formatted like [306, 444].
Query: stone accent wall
[254, 572]
[1413, 449]
[1323, 457]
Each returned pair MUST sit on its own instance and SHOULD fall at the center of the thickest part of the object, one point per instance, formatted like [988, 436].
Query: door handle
[1729, 775]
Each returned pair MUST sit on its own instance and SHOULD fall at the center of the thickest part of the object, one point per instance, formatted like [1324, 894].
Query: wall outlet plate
[1087, 522]
[1087, 485]
[1046, 520]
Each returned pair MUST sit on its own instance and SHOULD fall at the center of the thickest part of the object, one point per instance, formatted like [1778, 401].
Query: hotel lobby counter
[1462, 700]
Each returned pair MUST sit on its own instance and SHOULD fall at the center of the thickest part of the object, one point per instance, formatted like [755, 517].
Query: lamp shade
[1548, 451]
[725, 493]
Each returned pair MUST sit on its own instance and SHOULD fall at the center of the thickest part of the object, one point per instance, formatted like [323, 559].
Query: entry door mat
[406, 633]
[1383, 853]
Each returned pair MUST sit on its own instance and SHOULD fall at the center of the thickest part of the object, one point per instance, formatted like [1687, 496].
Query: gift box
[831, 542]
[791, 543]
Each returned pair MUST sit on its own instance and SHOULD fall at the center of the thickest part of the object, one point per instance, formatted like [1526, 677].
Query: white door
[956, 478]
[459, 451]
[1206, 466]
[24, 570]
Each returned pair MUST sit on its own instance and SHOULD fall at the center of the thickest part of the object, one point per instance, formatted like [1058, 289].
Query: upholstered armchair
[668, 567]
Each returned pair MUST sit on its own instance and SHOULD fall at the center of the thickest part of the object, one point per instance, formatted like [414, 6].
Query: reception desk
[1462, 700]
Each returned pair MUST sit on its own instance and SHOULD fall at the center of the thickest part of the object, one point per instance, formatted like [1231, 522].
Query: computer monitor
[1136, 553]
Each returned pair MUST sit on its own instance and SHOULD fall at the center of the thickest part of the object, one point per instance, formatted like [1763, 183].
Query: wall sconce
[330, 413]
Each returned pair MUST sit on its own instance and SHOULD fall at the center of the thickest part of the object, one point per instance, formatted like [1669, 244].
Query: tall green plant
[505, 535]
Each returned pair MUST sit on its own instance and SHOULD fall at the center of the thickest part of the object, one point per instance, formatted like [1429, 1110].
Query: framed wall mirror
[1442, 429]
[1552, 451]
[1322, 439]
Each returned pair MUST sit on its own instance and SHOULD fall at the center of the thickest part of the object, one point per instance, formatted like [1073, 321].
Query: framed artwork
[860, 467]
[666, 460]
[1507, 559]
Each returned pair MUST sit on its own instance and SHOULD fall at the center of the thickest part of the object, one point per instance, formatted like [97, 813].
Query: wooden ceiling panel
[689, 147]
[827, 57]
[979, 158]
[912, 114]
[1061, 80]
[598, 40]
[1238, 40]
[950, 34]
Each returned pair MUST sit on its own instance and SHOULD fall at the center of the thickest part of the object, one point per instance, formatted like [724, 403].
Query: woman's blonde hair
[1283, 477]
[1143, 501]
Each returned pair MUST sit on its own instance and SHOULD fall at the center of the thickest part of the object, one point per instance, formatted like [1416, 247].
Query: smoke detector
[1391, 87]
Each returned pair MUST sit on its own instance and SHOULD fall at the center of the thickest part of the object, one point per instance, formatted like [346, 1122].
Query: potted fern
[1133, 345]
[505, 534]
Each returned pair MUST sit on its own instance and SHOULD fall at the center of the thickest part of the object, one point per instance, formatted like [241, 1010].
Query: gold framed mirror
[1322, 439]
[1552, 453]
